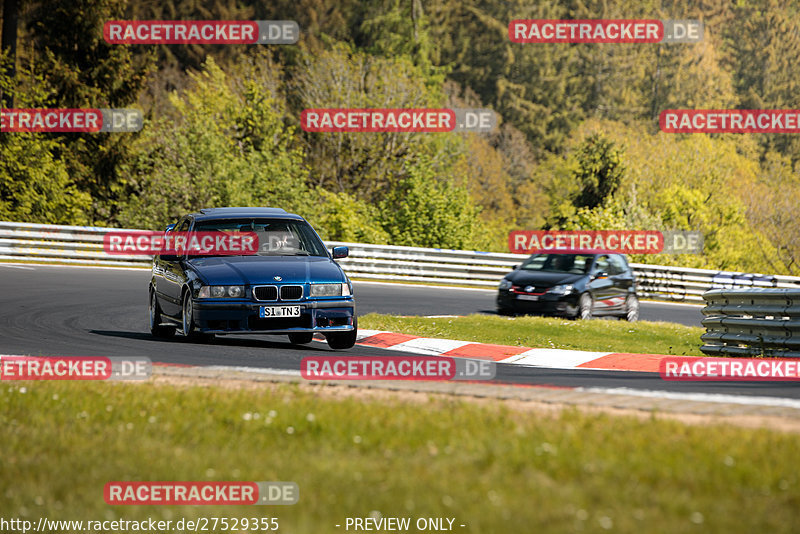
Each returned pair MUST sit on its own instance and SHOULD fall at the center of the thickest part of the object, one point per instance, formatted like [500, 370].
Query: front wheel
[188, 325]
[585, 306]
[631, 308]
[343, 340]
[156, 328]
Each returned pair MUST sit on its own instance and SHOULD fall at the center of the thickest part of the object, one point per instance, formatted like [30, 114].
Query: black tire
[188, 327]
[344, 340]
[156, 328]
[631, 308]
[585, 306]
[301, 338]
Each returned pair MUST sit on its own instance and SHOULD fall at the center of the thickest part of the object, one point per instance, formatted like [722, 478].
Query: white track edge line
[698, 397]
[255, 370]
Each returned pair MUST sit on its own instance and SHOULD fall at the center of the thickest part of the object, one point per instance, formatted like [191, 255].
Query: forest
[578, 144]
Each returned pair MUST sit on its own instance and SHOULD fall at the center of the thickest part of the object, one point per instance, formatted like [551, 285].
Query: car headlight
[328, 290]
[505, 283]
[561, 289]
[221, 292]
[218, 292]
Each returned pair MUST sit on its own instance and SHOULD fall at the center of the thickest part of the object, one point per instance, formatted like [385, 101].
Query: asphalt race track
[79, 311]
[416, 300]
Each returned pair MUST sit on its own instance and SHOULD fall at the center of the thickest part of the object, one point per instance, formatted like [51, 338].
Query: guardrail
[84, 245]
[752, 322]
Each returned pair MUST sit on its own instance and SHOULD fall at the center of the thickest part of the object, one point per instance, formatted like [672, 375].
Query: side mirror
[340, 252]
[169, 228]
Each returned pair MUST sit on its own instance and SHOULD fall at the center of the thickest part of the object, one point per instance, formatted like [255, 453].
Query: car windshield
[559, 263]
[276, 237]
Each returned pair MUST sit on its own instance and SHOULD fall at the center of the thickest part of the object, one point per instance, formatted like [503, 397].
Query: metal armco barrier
[752, 322]
[84, 245]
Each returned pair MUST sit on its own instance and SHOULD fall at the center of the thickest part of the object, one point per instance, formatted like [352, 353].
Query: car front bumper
[242, 317]
[546, 304]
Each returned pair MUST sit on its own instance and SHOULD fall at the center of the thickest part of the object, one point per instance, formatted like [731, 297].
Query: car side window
[184, 226]
[616, 265]
[601, 265]
[582, 263]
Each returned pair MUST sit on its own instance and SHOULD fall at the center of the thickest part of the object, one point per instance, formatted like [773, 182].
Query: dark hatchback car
[571, 285]
[296, 289]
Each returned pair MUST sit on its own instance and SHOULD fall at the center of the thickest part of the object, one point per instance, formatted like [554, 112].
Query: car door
[621, 279]
[600, 284]
[173, 277]
[159, 270]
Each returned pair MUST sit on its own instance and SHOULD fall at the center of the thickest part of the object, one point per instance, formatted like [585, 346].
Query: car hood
[542, 278]
[254, 270]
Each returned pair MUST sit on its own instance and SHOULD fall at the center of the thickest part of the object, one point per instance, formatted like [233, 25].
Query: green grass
[543, 332]
[492, 468]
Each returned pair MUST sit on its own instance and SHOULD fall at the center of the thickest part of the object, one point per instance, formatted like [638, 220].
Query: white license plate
[279, 311]
[527, 297]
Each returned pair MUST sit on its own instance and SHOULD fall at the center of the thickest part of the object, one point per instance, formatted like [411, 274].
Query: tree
[35, 186]
[8, 49]
[688, 76]
[481, 171]
[342, 217]
[81, 70]
[364, 164]
[765, 49]
[519, 163]
[425, 210]
[772, 208]
[600, 171]
[397, 28]
[35, 183]
[228, 146]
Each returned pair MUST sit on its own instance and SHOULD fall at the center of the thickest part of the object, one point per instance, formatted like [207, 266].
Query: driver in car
[560, 263]
[280, 238]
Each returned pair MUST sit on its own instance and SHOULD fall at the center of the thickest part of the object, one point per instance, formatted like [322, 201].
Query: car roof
[234, 213]
[593, 254]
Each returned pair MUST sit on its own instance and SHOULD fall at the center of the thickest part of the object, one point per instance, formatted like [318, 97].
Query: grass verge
[544, 332]
[491, 467]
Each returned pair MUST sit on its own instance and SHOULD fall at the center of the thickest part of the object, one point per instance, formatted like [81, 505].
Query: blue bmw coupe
[291, 286]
